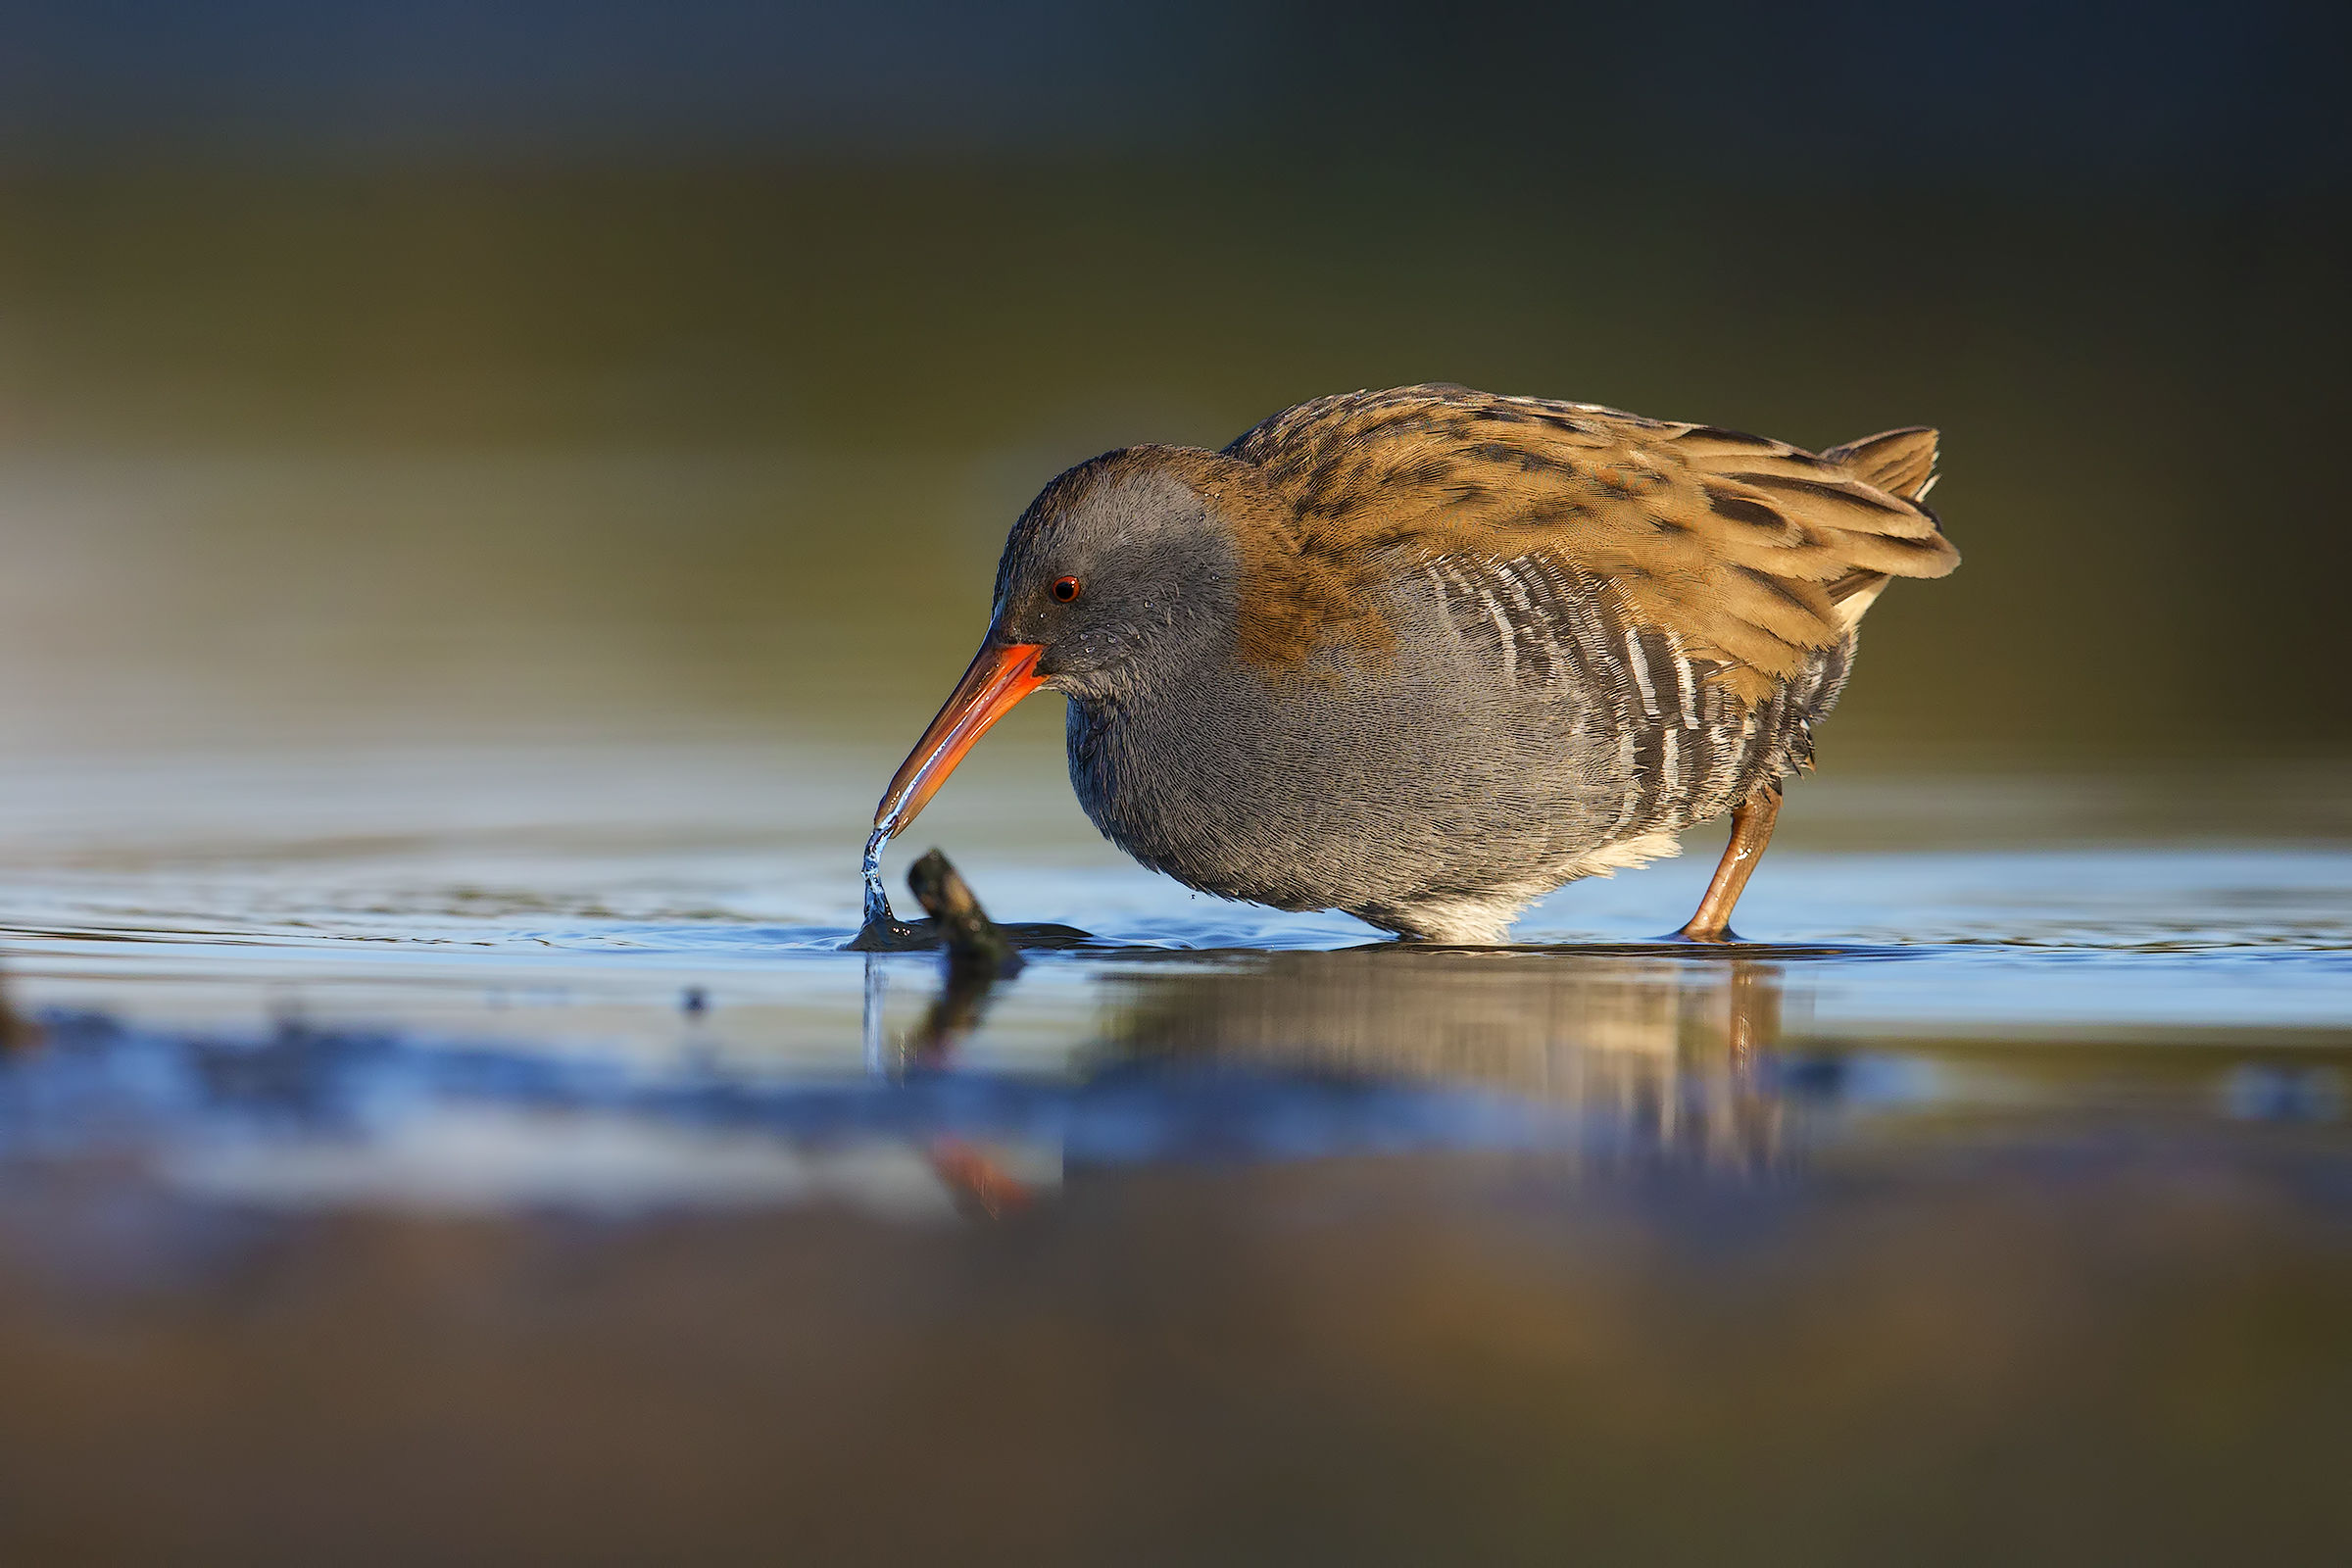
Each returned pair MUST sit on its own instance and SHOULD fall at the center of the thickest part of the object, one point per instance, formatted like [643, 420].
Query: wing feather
[1752, 552]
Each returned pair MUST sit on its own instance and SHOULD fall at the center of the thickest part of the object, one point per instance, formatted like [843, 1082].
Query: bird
[1425, 653]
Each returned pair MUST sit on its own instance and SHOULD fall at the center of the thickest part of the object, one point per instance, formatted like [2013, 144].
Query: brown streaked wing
[1743, 548]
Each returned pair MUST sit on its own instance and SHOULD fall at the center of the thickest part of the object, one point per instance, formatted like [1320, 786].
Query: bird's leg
[1751, 830]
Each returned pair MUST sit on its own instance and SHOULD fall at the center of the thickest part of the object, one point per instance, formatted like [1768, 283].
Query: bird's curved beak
[999, 678]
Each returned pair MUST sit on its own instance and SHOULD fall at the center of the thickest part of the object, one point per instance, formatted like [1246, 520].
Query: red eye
[1066, 589]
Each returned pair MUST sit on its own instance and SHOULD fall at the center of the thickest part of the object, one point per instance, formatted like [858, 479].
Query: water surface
[466, 1130]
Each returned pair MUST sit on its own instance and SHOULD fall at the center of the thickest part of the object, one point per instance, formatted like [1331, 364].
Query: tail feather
[1901, 463]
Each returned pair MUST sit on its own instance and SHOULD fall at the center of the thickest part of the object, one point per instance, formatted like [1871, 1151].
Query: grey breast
[1517, 725]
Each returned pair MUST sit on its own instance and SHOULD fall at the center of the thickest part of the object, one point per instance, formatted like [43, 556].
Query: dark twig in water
[884, 932]
[972, 940]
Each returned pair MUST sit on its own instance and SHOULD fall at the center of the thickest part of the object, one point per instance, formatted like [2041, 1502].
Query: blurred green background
[379, 372]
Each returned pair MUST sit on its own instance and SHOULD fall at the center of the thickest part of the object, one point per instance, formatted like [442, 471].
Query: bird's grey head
[1123, 573]
[1122, 576]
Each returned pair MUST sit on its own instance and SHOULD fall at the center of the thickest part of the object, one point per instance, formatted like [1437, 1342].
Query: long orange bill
[999, 678]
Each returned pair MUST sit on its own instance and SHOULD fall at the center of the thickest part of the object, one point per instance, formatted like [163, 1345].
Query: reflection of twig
[954, 1014]
[18, 1033]
[979, 955]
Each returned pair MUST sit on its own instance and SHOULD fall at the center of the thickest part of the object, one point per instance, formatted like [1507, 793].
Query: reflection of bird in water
[1425, 655]
[1651, 1053]
[1667, 1050]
